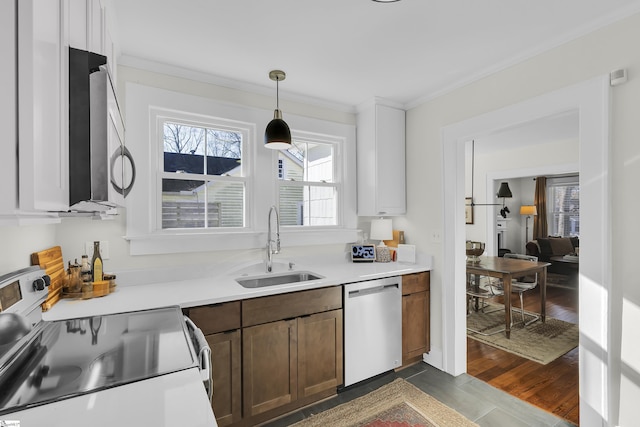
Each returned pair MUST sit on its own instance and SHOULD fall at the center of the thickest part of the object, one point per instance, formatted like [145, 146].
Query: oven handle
[204, 357]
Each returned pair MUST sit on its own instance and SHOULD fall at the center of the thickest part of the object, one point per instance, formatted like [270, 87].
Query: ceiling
[345, 52]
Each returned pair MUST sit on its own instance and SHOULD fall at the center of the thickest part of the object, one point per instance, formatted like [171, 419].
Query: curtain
[540, 200]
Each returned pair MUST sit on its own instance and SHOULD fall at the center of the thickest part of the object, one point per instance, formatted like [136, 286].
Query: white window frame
[566, 181]
[162, 116]
[337, 183]
[142, 205]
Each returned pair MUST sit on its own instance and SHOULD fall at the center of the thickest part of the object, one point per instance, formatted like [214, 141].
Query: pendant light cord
[473, 161]
[277, 93]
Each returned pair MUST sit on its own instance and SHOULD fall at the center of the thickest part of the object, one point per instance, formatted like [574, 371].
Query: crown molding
[175, 71]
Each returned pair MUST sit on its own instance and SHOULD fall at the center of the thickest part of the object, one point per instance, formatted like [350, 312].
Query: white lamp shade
[381, 229]
[528, 210]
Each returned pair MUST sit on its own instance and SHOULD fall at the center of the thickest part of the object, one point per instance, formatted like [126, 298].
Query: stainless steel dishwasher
[372, 328]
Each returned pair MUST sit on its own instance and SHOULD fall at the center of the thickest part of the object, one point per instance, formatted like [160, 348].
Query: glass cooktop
[66, 358]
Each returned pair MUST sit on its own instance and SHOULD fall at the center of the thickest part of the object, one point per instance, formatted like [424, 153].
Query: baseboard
[433, 358]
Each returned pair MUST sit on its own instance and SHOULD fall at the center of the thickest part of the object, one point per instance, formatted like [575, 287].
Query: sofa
[546, 247]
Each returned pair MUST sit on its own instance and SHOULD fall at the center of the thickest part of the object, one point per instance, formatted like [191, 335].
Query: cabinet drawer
[216, 318]
[278, 307]
[416, 282]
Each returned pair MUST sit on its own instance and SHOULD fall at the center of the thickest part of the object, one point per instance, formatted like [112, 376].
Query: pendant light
[277, 135]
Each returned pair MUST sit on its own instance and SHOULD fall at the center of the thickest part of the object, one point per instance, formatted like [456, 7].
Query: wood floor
[552, 387]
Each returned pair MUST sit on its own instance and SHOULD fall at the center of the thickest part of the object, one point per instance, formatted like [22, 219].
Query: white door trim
[591, 99]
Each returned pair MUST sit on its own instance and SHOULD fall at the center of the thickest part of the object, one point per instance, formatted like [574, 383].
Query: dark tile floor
[476, 400]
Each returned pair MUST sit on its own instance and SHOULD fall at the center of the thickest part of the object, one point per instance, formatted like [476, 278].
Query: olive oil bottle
[96, 263]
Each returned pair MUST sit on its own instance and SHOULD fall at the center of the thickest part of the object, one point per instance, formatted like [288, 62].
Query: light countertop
[145, 289]
[187, 287]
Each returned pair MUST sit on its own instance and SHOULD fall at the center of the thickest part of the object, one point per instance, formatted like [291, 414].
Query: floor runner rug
[397, 404]
[540, 342]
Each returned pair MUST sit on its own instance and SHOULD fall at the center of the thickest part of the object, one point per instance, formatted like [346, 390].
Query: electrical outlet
[436, 236]
[104, 249]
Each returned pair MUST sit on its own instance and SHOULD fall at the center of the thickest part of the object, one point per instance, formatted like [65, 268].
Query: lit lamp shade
[528, 210]
[381, 229]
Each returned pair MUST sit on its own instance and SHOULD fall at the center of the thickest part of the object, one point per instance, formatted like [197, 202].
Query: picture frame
[468, 210]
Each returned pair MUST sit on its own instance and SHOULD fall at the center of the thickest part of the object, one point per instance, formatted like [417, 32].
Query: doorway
[591, 100]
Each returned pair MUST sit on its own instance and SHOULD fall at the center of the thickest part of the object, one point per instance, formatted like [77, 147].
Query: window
[308, 184]
[563, 201]
[214, 190]
[203, 184]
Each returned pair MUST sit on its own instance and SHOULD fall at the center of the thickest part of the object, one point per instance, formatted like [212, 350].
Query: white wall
[17, 244]
[580, 60]
[72, 233]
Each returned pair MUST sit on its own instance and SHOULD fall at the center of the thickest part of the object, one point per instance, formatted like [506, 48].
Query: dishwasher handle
[374, 290]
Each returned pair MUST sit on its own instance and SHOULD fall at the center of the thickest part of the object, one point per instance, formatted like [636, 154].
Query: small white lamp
[382, 229]
[528, 210]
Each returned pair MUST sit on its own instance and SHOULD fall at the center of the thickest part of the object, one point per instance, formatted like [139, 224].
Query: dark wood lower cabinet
[275, 354]
[319, 353]
[227, 376]
[288, 361]
[269, 366]
[415, 316]
[220, 324]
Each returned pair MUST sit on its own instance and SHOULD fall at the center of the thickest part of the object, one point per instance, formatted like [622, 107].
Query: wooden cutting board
[52, 262]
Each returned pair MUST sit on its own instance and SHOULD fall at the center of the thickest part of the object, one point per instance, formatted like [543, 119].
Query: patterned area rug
[398, 404]
[540, 342]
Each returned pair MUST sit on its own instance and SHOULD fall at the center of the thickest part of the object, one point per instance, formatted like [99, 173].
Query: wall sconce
[504, 192]
[528, 210]
[277, 135]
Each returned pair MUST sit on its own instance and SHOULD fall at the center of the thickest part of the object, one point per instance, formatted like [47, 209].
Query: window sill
[157, 244]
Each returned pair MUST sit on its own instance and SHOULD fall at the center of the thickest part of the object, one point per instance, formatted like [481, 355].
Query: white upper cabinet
[43, 97]
[87, 25]
[381, 160]
[34, 39]
[8, 113]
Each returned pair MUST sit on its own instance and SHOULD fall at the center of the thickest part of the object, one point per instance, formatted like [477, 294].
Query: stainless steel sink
[277, 279]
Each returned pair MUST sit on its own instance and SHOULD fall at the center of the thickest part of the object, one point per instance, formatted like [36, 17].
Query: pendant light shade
[277, 134]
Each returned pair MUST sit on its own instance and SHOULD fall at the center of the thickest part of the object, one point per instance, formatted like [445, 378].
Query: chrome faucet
[270, 241]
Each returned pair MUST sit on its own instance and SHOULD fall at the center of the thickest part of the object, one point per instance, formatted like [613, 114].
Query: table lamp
[382, 229]
[527, 210]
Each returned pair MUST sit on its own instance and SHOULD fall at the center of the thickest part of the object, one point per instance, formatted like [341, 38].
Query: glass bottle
[96, 263]
[85, 269]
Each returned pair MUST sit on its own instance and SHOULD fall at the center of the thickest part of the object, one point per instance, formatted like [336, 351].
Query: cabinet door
[43, 94]
[319, 353]
[381, 161]
[390, 161]
[269, 366]
[96, 21]
[78, 28]
[415, 326]
[8, 116]
[227, 382]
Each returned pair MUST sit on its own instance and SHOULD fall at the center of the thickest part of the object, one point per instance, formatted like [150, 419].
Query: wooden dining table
[507, 269]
